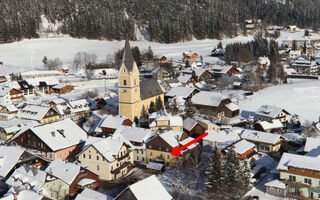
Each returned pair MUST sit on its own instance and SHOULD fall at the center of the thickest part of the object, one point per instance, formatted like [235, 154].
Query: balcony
[124, 165]
[297, 184]
[123, 156]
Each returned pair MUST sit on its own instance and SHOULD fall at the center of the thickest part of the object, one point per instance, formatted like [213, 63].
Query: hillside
[164, 21]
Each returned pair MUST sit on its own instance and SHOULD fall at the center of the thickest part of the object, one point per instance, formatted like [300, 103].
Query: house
[294, 54]
[184, 92]
[300, 174]
[215, 104]
[109, 124]
[22, 195]
[305, 66]
[165, 71]
[146, 189]
[168, 84]
[276, 188]
[59, 140]
[221, 139]
[271, 127]
[5, 95]
[265, 142]
[8, 112]
[13, 157]
[201, 74]
[133, 94]
[26, 88]
[159, 148]
[16, 95]
[41, 114]
[217, 52]
[192, 127]
[312, 146]
[27, 177]
[62, 89]
[219, 71]
[207, 124]
[264, 63]
[242, 148]
[269, 113]
[185, 79]
[11, 127]
[109, 158]
[136, 138]
[66, 179]
[166, 122]
[293, 28]
[88, 194]
[80, 109]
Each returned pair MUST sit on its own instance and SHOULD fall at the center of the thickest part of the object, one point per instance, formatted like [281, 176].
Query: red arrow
[176, 151]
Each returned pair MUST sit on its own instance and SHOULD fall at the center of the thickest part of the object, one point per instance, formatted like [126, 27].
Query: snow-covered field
[301, 97]
[28, 54]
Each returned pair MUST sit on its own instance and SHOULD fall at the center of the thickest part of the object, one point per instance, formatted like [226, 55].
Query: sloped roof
[184, 78]
[61, 134]
[64, 171]
[299, 161]
[270, 111]
[88, 194]
[111, 121]
[150, 88]
[189, 123]
[9, 157]
[4, 90]
[128, 59]
[134, 134]
[34, 112]
[243, 146]
[150, 188]
[258, 136]
[208, 98]
[180, 91]
[108, 147]
[268, 126]
[311, 143]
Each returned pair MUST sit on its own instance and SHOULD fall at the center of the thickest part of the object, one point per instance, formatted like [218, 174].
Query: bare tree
[53, 64]
[82, 59]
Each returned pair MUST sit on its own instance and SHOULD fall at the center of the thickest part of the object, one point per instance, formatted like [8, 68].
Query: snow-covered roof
[111, 121]
[232, 106]
[243, 146]
[276, 184]
[299, 161]
[135, 134]
[27, 175]
[296, 53]
[264, 60]
[80, 105]
[184, 78]
[60, 134]
[180, 91]
[29, 194]
[108, 147]
[175, 120]
[60, 86]
[15, 125]
[173, 139]
[4, 90]
[41, 72]
[189, 123]
[88, 194]
[9, 157]
[222, 136]
[64, 171]
[205, 121]
[199, 71]
[311, 143]
[268, 126]
[149, 188]
[258, 136]
[10, 107]
[34, 112]
[270, 111]
[85, 181]
[208, 98]
[218, 69]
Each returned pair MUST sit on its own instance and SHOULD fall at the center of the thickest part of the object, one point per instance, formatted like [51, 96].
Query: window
[137, 157]
[111, 167]
[135, 82]
[97, 157]
[89, 156]
[311, 195]
[292, 178]
[168, 156]
[124, 91]
[150, 153]
[84, 155]
[167, 149]
[124, 82]
[303, 171]
[142, 158]
[97, 167]
[117, 164]
[293, 168]
[312, 172]
[141, 151]
[150, 146]
[150, 160]
[307, 181]
[159, 148]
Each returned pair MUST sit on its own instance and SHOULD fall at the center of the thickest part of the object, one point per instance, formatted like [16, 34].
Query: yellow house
[41, 114]
[159, 148]
[134, 96]
[207, 124]
[167, 122]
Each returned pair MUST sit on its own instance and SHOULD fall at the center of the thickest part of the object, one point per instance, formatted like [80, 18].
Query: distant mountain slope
[160, 20]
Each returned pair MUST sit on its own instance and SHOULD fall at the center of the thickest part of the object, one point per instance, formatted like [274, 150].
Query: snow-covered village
[144, 113]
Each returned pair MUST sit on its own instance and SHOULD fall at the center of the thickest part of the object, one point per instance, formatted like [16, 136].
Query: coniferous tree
[214, 175]
[159, 104]
[152, 107]
[231, 174]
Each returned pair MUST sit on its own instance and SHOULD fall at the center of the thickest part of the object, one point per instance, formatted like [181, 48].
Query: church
[135, 95]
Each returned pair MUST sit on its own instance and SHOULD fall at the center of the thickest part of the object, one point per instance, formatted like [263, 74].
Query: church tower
[129, 86]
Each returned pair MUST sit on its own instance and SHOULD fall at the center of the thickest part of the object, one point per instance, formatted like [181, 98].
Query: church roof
[128, 59]
[150, 88]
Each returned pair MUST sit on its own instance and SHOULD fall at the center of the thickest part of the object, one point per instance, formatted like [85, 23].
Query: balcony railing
[123, 157]
[118, 170]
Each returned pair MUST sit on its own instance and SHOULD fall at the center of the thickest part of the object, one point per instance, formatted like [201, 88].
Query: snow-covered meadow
[28, 53]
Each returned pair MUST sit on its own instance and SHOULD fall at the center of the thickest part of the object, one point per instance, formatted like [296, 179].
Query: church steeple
[128, 59]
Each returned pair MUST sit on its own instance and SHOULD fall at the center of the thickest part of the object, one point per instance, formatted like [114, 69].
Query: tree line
[162, 20]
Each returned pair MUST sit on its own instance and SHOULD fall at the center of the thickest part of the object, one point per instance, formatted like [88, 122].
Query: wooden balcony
[124, 165]
[123, 156]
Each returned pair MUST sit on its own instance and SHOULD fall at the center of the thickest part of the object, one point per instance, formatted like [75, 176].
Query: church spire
[128, 59]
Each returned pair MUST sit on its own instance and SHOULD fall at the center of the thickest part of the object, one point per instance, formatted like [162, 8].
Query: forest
[165, 21]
